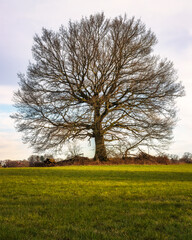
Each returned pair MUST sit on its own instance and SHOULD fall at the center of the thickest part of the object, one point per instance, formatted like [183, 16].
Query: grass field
[96, 202]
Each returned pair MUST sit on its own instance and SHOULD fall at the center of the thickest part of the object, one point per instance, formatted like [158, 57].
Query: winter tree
[97, 78]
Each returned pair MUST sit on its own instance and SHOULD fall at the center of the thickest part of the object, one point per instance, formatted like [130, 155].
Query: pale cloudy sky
[170, 20]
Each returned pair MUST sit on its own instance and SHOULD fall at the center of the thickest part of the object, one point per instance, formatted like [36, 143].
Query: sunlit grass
[96, 202]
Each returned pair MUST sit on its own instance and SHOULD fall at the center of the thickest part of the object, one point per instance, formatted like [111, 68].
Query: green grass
[96, 202]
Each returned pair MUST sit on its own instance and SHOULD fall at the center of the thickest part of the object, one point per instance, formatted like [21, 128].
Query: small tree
[99, 79]
[119, 150]
[74, 150]
[33, 158]
[173, 157]
[187, 157]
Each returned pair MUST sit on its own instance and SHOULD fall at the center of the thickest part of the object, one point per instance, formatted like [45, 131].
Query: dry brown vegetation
[140, 159]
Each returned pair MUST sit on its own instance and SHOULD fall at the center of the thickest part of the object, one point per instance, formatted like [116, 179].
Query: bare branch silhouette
[99, 79]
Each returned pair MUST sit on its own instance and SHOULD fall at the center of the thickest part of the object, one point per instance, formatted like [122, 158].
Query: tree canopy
[97, 78]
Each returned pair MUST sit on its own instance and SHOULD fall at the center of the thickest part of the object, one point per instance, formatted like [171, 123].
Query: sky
[20, 20]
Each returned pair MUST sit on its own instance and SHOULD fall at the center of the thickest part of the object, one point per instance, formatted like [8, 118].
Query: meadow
[129, 202]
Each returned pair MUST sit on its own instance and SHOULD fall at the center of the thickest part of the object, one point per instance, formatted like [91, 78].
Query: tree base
[100, 159]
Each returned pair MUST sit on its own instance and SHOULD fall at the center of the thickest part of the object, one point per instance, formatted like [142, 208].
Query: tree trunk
[100, 150]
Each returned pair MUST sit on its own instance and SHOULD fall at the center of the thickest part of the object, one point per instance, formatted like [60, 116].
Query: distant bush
[77, 160]
[140, 158]
[11, 163]
[41, 161]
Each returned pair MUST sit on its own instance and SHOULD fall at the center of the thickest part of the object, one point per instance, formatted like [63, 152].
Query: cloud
[6, 94]
[6, 123]
[12, 148]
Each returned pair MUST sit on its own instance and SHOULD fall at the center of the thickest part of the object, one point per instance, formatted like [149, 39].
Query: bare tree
[187, 157]
[74, 150]
[120, 150]
[98, 79]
